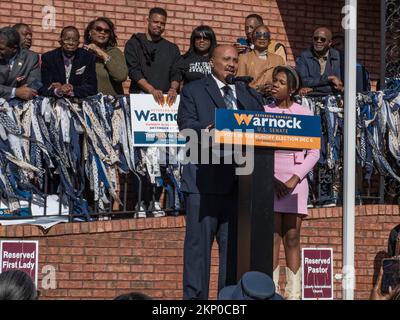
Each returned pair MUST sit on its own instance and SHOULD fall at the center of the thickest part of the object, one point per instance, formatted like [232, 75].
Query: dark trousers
[209, 217]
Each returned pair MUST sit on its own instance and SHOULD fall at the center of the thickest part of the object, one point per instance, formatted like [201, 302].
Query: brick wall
[291, 22]
[99, 260]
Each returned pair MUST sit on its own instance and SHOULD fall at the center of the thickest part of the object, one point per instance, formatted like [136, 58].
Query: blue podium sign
[267, 129]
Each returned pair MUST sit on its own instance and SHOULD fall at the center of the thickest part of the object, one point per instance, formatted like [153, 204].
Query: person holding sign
[153, 62]
[291, 186]
[154, 68]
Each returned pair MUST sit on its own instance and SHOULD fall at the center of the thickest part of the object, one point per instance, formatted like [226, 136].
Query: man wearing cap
[210, 189]
[320, 67]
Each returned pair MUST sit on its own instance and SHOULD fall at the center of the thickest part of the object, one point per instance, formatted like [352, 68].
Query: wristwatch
[107, 60]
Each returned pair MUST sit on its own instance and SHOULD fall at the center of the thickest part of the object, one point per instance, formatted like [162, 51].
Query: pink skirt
[295, 202]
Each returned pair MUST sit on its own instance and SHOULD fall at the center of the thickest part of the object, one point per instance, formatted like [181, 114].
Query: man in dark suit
[25, 33]
[210, 189]
[19, 68]
[69, 71]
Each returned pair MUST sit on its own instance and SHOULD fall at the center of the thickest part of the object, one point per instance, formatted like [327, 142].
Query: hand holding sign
[157, 95]
[154, 123]
[171, 97]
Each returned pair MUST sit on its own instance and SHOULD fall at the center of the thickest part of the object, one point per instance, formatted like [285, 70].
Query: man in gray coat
[19, 68]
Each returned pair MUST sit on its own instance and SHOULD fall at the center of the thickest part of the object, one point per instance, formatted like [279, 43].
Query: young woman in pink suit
[291, 186]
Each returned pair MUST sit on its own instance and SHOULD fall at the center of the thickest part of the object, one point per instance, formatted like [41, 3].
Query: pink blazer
[305, 160]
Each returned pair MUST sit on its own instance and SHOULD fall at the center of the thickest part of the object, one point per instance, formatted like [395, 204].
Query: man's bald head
[224, 61]
[219, 49]
[322, 39]
[324, 30]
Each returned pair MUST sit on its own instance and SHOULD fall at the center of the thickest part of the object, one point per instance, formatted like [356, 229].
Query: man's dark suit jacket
[83, 72]
[26, 66]
[198, 102]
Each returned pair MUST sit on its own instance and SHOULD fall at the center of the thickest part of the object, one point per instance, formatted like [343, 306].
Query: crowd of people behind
[154, 65]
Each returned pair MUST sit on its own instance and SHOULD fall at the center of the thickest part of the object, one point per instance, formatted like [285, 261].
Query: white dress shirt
[220, 85]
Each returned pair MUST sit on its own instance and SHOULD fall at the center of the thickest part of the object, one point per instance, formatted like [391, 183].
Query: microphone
[231, 79]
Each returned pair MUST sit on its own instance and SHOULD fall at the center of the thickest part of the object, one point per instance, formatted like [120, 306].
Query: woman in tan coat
[260, 63]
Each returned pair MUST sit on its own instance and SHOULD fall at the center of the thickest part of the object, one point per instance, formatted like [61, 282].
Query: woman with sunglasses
[196, 59]
[291, 186]
[111, 69]
[259, 63]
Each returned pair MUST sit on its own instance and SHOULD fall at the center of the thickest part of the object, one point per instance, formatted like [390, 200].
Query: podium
[256, 215]
[269, 131]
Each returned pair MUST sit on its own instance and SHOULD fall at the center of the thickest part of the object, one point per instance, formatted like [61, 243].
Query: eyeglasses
[258, 35]
[200, 37]
[100, 29]
[320, 38]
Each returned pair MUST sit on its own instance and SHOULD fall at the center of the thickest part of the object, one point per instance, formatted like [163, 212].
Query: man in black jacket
[69, 71]
[153, 61]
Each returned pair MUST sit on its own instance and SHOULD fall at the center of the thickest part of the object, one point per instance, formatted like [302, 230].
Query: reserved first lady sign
[20, 255]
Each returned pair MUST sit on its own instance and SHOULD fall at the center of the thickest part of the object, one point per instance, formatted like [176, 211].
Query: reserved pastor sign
[317, 276]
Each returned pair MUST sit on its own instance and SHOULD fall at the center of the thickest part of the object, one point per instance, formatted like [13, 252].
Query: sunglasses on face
[259, 35]
[320, 38]
[200, 37]
[100, 29]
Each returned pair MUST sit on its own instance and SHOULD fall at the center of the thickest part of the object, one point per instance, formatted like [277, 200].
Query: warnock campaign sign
[153, 124]
[317, 276]
[20, 255]
[267, 129]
